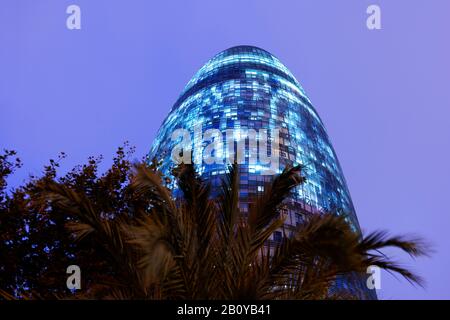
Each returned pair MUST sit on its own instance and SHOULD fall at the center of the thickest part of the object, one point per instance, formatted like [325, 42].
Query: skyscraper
[246, 88]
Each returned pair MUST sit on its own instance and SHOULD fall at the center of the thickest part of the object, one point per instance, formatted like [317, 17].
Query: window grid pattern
[248, 88]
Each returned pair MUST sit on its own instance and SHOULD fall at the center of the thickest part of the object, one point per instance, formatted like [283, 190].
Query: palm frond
[6, 296]
[229, 197]
[264, 209]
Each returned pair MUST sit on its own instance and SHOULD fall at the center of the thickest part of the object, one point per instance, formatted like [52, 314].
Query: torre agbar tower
[245, 88]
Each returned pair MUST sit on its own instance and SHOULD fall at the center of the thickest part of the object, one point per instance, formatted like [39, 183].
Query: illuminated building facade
[244, 88]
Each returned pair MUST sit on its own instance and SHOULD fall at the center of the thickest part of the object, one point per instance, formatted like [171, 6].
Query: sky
[383, 95]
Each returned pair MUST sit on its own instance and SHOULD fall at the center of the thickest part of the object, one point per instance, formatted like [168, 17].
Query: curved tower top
[240, 58]
[243, 57]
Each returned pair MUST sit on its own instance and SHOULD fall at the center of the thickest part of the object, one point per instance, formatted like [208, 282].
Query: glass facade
[247, 88]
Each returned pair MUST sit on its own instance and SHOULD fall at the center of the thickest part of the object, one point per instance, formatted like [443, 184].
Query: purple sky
[384, 95]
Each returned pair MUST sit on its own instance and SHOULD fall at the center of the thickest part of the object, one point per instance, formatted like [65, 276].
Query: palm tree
[200, 246]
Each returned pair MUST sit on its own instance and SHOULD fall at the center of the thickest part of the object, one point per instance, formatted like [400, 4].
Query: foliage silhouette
[134, 240]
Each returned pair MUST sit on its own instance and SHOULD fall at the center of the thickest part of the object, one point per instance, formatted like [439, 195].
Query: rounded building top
[245, 49]
[242, 57]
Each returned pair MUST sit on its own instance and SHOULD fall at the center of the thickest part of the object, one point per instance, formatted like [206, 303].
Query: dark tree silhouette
[133, 240]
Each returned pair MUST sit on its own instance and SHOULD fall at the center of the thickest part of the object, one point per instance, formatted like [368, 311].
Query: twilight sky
[383, 95]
